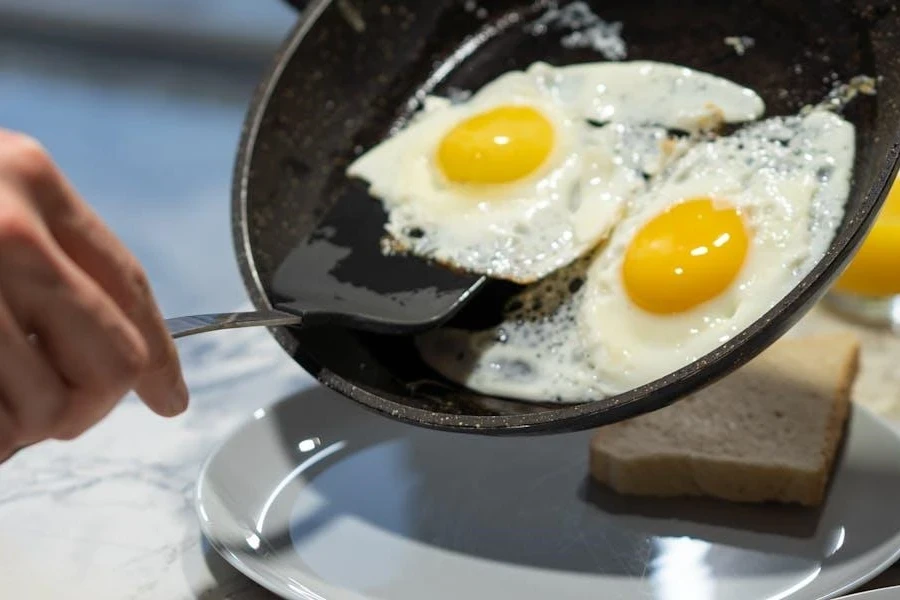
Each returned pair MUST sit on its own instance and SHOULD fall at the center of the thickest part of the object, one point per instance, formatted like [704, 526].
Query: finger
[96, 351]
[32, 396]
[95, 249]
[85, 407]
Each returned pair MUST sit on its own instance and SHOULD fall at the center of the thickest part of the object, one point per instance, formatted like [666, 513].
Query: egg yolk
[875, 270]
[686, 255]
[498, 146]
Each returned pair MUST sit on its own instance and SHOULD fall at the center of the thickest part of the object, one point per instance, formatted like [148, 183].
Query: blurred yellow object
[875, 270]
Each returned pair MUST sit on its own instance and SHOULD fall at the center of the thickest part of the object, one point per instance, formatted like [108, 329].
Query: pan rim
[723, 360]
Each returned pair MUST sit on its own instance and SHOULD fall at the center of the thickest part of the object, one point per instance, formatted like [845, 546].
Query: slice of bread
[767, 432]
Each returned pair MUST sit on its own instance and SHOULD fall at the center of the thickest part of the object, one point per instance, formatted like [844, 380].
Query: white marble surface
[110, 515]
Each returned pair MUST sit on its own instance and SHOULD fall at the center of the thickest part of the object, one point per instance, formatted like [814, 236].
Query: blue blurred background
[141, 105]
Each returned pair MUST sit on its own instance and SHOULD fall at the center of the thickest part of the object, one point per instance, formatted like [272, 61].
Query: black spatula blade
[339, 273]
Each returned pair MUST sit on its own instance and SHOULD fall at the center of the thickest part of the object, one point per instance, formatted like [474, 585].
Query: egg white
[655, 93]
[524, 230]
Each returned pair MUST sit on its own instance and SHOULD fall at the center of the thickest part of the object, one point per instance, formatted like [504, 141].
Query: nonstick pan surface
[352, 70]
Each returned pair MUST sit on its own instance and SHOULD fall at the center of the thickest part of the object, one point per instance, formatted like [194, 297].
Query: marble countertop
[109, 516]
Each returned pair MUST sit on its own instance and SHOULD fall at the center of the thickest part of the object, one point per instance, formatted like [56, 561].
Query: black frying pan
[353, 68]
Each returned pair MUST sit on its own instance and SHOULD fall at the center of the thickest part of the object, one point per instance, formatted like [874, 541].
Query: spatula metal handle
[184, 326]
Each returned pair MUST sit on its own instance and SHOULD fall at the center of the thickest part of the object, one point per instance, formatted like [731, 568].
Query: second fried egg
[721, 239]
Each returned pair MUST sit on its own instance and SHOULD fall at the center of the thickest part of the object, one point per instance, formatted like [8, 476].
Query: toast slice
[767, 432]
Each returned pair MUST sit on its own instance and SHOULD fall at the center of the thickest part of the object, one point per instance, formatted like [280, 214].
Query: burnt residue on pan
[338, 88]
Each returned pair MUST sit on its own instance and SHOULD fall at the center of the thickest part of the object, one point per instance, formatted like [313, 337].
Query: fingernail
[179, 401]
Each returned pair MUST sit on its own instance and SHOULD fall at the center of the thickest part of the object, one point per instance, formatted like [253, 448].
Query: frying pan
[351, 70]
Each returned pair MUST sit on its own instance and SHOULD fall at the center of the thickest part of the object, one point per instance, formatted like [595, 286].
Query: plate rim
[872, 594]
[259, 577]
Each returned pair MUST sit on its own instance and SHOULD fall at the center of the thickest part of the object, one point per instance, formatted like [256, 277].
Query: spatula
[339, 274]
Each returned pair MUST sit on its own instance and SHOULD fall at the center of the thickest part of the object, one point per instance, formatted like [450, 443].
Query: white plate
[318, 499]
[891, 593]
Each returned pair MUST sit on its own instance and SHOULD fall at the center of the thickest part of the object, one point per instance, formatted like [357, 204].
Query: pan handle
[184, 326]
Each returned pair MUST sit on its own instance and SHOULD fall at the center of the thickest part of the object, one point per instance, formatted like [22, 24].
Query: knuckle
[89, 409]
[134, 361]
[17, 229]
[38, 425]
[160, 362]
[130, 356]
[137, 290]
[24, 248]
[26, 159]
[120, 355]
[139, 280]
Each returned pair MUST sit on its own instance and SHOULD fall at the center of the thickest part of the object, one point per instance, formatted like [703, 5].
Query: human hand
[79, 327]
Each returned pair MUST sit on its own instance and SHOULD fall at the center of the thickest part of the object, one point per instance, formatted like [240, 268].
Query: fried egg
[723, 237]
[535, 169]
[716, 240]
